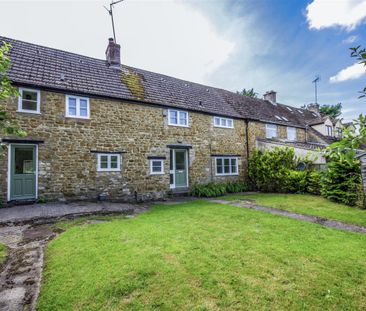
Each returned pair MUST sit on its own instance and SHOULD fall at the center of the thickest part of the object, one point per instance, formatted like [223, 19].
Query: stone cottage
[100, 129]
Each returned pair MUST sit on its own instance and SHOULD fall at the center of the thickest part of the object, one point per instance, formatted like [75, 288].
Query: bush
[296, 182]
[218, 189]
[269, 170]
[314, 182]
[341, 181]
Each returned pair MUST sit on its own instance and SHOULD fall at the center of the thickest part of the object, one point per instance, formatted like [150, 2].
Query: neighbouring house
[100, 129]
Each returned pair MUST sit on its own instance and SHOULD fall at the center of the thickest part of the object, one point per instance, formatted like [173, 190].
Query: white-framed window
[339, 132]
[226, 166]
[108, 162]
[156, 167]
[329, 130]
[29, 100]
[223, 122]
[291, 133]
[77, 107]
[178, 117]
[271, 131]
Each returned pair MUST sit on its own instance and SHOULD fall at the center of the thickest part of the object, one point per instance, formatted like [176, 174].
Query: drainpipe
[306, 133]
[247, 143]
[211, 162]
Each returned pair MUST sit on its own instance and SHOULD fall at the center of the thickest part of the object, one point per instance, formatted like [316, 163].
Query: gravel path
[275, 211]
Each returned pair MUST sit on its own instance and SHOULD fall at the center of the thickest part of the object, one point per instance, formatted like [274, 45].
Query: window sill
[224, 127]
[178, 125]
[154, 174]
[107, 171]
[29, 111]
[77, 118]
[222, 175]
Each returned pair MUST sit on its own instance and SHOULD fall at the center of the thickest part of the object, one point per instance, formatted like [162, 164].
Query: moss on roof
[133, 81]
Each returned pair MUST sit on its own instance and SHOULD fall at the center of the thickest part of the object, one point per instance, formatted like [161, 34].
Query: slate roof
[49, 68]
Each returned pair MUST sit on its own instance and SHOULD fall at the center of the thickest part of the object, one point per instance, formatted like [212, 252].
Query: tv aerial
[110, 11]
[315, 81]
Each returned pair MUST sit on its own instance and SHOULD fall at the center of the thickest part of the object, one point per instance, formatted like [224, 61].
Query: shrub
[341, 181]
[296, 181]
[314, 182]
[218, 189]
[269, 170]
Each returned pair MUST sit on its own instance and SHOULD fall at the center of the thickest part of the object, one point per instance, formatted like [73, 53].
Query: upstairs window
[29, 100]
[329, 130]
[223, 122]
[291, 133]
[177, 117]
[226, 166]
[339, 132]
[108, 162]
[271, 131]
[77, 107]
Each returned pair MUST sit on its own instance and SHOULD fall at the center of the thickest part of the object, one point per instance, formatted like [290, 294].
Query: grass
[204, 256]
[307, 204]
[3, 253]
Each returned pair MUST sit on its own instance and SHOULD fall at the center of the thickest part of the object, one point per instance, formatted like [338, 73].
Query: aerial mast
[110, 11]
[315, 81]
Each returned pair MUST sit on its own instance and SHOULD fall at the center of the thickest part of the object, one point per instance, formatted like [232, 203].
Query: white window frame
[178, 112]
[161, 172]
[221, 121]
[20, 101]
[268, 129]
[77, 116]
[223, 158]
[329, 130]
[289, 129]
[108, 169]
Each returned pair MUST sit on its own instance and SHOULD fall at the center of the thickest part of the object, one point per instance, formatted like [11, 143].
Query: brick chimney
[313, 108]
[270, 96]
[113, 54]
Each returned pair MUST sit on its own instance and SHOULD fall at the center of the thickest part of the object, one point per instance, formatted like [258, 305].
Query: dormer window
[29, 100]
[177, 117]
[339, 132]
[329, 130]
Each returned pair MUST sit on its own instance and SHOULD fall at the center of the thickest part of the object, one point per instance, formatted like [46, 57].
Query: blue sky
[264, 44]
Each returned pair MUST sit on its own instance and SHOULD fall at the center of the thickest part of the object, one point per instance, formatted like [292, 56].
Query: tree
[342, 179]
[333, 111]
[360, 54]
[7, 125]
[249, 92]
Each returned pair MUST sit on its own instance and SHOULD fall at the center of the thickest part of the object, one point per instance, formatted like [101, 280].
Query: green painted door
[23, 172]
[181, 168]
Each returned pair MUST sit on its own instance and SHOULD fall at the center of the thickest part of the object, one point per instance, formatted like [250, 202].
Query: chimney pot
[270, 96]
[113, 54]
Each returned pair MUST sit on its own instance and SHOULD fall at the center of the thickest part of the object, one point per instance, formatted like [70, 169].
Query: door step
[177, 192]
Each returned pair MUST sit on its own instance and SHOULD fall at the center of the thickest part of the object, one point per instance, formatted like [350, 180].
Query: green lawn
[307, 204]
[3, 253]
[204, 256]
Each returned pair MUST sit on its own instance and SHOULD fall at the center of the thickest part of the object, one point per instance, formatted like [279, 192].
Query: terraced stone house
[99, 129]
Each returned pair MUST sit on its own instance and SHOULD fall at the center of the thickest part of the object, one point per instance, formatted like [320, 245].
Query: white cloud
[352, 72]
[169, 36]
[346, 14]
[350, 39]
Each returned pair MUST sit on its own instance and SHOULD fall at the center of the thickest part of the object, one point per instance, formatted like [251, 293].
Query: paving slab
[309, 218]
[43, 213]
